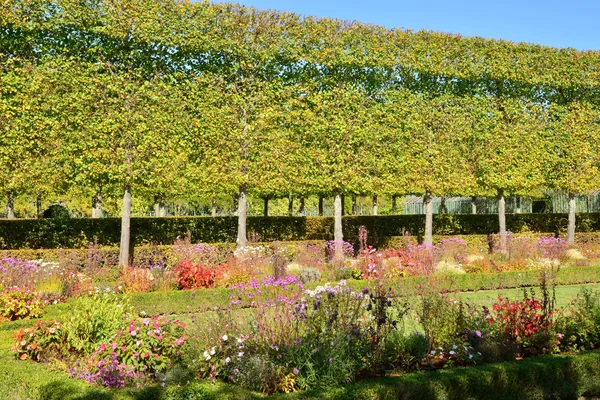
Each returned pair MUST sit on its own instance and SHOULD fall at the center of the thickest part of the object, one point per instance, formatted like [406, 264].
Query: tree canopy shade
[171, 99]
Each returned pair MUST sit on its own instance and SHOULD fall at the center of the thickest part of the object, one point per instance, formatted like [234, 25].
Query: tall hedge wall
[75, 233]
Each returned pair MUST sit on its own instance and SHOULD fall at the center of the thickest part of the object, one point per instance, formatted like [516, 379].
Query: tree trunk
[502, 220]
[302, 208]
[236, 205]
[97, 206]
[321, 206]
[443, 209]
[124, 253]
[354, 206]
[473, 205]
[428, 209]
[10, 206]
[290, 206]
[571, 228]
[213, 205]
[338, 235]
[38, 206]
[266, 207]
[162, 208]
[242, 212]
[518, 205]
[394, 204]
[375, 206]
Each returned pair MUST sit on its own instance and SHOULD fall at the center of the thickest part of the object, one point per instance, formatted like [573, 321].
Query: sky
[555, 23]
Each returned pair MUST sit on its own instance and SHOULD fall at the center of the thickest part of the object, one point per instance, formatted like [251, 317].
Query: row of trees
[162, 99]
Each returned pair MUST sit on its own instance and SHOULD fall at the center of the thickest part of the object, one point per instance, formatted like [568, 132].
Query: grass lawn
[564, 294]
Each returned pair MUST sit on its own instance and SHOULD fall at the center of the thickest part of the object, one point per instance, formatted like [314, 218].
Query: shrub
[18, 303]
[93, 320]
[108, 372]
[309, 275]
[451, 249]
[194, 276]
[149, 346]
[578, 325]
[135, 279]
[552, 248]
[525, 322]
[45, 340]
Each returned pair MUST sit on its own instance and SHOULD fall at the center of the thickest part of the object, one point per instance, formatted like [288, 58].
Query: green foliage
[93, 320]
[151, 345]
[18, 303]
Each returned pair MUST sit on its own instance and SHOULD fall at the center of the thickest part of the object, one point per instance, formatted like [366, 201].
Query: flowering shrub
[552, 248]
[108, 372]
[134, 279]
[451, 249]
[310, 256]
[44, 340]
[524, 322]
[578, 325]
[18, 303]
[17, 272]
[325, 336]
[191, 276]
[347, 248]
[76, 283]
[195, 253]
[148, 346]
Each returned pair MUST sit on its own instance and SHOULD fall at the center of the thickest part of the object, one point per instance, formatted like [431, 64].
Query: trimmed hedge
[79, 232]
[547, 377]
[146, 255]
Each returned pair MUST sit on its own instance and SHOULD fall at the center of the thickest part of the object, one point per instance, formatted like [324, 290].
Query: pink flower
[559, 335]
[178, 342]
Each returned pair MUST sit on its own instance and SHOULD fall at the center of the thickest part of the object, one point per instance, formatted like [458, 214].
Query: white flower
[206, 356]
[452, 352]
[225, 337]
[227, 360]
[212, 351]
[240, 340]
[455, 347]
[432, 352]
[241, 354]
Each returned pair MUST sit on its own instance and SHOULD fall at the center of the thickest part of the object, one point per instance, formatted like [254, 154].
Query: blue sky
[556, 23]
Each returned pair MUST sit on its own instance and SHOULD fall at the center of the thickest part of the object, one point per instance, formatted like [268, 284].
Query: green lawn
[564, 294]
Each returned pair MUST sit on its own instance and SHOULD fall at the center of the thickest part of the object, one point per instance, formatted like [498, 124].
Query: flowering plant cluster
[18, 303]
[325, 336]
[17, 272]
[44, 340]
[330, 246]
[193, 276]
[108, 372]
[552, 248]
[200, 253]
[453, 249]
[150, 345]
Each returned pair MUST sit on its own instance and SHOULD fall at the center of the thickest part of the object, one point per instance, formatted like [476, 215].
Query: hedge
[546, 377]
[79, 232]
